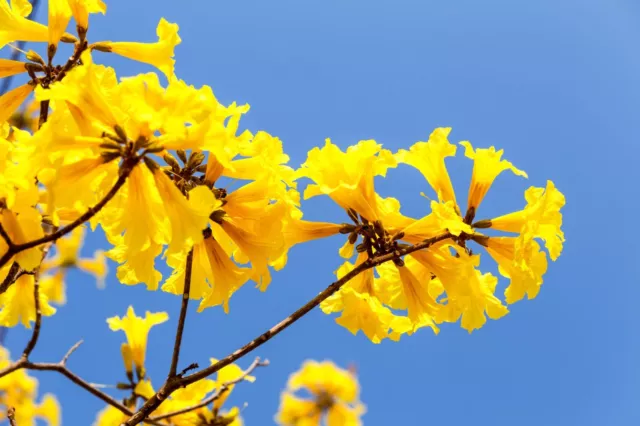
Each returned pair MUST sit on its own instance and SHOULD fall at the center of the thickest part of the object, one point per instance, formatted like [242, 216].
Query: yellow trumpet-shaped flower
[230, 373]
[59, 17]
[16, 26]
[407, 288]
[347, 177]
[521, 260]
[137, 330]
[90, 90]
[81, 10]
[159, 54]
[9, 67]
[334, 396]
[10, 101]
[149, 225]
[188, 217]
[18, 304]
[428, 157]
[541, 216]
[469, 293]
[487, 165]
[110, 416]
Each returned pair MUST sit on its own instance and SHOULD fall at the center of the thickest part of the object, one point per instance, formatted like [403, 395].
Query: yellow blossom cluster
[162, 168]
[18, 394]
[207, 396]
[334, 399]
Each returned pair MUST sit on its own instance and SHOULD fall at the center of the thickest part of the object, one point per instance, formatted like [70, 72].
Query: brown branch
[6, 237]
[61, 368]
[11, 277]
[36, 328]
[217, 394]
[125, 171]
[11, 416]
[172, 384]
[183, 315]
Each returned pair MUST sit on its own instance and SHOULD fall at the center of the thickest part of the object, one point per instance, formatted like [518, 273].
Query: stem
[174, 383]
[183, 315]
[11, 277]
[36, 328]
[125, 171]
[44, 113]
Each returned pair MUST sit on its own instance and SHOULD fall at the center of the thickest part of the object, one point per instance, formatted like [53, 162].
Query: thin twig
[70, 351]
[125, 171]
[183, 315]
[36, 328]
[44, 112]
[224, 388]
[172, 384]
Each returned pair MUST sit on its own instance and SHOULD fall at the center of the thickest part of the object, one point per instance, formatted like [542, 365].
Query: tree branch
[172, 384]
[217, 394]
[5, 236]
[183, 315]
[125, 171]
[36, 328]
[11, 277]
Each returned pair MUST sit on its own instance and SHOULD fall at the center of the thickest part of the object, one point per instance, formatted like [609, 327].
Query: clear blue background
[554, 83]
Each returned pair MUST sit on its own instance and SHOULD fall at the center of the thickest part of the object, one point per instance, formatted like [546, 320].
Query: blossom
[334, 396]
[81, 10]
[487, 165]
[428, 157]
[137, 330]
[18, 390]
[9, 67]
[542, 216]
[10, 101]
[16, 26]
[159, 54]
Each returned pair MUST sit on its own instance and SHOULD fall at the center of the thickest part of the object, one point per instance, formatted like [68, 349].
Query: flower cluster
[333, 396]
[163, 169]
[18, 394]
[207, 396]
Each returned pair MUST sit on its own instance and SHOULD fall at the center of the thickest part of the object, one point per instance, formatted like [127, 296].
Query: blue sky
[556, 84]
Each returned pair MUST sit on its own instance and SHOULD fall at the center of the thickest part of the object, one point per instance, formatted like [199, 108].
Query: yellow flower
[443, 218]
[10, 101]
[188, 217]
[149, 225]
[347, 177]
[18, 304]
[487, 165]
[428, 157]
[469, 293]
[59, 17]
[214, 277]
[81, 10]
[334, 394]
[137, 330]
[16, 26]
[541, 215]
[408, 287]
[230, 373]
[521, 260]
[18, 390]
[159, 54]
[90, 90]
[9, 67]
